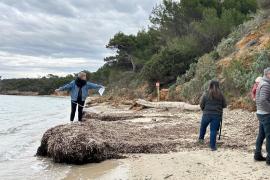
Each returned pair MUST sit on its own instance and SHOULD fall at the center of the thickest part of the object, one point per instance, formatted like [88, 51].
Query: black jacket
[212, 106]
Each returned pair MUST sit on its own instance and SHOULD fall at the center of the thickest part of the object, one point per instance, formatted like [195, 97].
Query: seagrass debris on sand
[96, 140]
[112, 117]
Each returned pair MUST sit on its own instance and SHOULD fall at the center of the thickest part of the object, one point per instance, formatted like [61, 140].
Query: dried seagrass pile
[146, 131]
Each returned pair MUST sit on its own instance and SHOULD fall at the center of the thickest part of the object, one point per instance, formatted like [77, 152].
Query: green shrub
[190, 73]
[239, 79]
[235, 78]
[205, 71]
[226, 46]
[262, 61]
[206, 68]
[172, 61]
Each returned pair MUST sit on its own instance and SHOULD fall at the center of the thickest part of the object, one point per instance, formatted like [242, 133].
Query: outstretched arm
[93, 86]
[66, 87]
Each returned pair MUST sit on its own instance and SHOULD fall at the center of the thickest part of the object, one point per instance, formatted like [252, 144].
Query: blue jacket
[74, 90]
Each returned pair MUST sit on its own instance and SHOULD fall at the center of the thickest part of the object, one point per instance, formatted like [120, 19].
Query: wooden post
[158, 93]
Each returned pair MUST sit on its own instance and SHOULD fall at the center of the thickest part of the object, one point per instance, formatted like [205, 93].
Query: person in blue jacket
[78, 89]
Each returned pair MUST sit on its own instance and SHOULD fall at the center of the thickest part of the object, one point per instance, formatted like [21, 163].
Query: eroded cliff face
[255, 41]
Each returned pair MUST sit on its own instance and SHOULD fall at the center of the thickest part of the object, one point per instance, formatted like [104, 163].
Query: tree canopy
[178, 34]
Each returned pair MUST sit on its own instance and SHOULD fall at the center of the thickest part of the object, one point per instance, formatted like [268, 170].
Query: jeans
[260, 138]
[264, 133]
[73, 110]
[214, 121]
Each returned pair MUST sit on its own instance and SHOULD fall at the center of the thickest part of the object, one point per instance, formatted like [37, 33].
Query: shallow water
[23, 121]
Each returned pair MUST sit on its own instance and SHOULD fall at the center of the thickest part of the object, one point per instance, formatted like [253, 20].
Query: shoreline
[49, 95]
[52, 96]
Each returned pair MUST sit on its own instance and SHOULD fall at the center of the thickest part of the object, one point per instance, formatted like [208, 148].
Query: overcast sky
[38, 37]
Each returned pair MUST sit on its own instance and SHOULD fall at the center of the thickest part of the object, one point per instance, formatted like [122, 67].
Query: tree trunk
[178, 105]
[132, 62]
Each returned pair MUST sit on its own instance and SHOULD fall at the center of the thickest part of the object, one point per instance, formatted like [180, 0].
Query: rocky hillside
[236, 62]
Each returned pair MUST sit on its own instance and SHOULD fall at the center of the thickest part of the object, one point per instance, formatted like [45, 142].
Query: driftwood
[178, 105]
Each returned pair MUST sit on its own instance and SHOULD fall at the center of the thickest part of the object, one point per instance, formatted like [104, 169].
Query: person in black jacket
[212, 104]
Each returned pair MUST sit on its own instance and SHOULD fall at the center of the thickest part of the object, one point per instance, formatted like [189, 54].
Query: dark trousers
[73, 110]
[214, 121]
[264, 133]
[260, 138]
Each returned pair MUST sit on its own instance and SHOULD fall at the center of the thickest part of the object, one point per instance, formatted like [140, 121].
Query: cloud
[73, 32]
[32, 66]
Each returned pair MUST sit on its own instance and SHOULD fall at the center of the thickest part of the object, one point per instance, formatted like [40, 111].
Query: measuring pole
[158, 94]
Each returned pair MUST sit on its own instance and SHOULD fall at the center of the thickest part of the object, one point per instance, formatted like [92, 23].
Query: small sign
[157, 84]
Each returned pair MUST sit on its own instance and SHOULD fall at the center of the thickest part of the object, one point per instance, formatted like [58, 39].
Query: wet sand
[110, 169]
[195, 165]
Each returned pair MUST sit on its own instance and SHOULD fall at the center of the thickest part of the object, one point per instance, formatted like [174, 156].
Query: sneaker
[213, 149]
[259, 157]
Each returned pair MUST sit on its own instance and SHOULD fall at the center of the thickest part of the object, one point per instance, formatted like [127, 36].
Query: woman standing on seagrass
[212, 104]
[78, 89]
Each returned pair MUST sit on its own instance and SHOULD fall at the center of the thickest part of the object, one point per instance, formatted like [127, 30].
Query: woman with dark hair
[212, 104]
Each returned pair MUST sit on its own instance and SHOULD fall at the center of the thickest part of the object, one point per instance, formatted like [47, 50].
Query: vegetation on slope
[236, 62]
[179, 33]
[182, 45]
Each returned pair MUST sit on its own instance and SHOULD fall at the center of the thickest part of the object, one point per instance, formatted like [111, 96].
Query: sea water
[23, 121]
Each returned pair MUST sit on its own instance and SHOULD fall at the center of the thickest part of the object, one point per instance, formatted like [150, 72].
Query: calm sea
[23, 120]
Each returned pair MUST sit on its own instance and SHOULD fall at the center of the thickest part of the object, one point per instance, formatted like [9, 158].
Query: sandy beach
[157, 143]
[196, 165]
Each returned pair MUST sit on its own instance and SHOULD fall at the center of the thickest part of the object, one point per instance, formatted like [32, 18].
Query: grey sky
[38, 37]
